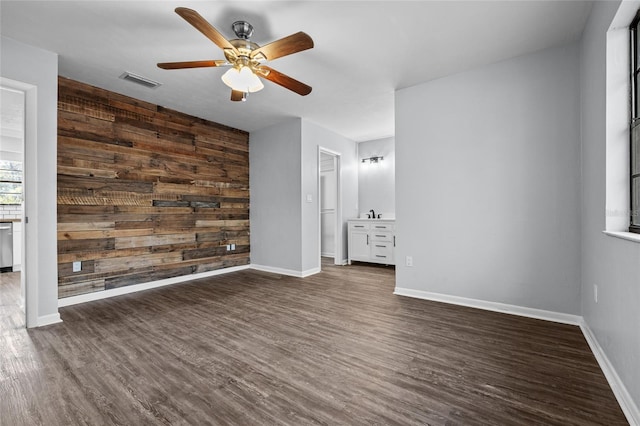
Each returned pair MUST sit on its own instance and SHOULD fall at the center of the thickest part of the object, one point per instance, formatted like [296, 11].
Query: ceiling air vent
[138, 79]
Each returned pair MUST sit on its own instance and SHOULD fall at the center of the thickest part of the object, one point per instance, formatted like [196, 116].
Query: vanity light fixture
[373, 159]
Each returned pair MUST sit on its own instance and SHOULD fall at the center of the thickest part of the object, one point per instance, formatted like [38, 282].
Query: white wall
[39, 68]
[285, 228]
[314, 136]
[487, 183]
[377, 181]
[275, 182]
[611, 263]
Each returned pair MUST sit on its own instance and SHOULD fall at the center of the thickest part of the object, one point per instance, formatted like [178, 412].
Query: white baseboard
[491, 306]
[283, 271]
[310, 272]
[339, 262]
[89, 297]
[48, 320]
[628, 406]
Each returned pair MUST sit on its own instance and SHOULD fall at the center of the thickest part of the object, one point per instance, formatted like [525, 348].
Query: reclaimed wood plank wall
[144, 192]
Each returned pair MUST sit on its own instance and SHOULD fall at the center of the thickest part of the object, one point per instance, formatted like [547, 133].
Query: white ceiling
[364, 50]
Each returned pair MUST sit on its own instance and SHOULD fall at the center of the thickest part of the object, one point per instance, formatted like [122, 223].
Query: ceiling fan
[244, 57]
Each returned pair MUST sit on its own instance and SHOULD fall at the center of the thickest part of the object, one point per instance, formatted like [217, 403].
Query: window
[10, 182]
[634, 175]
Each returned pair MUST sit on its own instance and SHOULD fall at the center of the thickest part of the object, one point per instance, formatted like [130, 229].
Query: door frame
[338, 231]
[29, 270]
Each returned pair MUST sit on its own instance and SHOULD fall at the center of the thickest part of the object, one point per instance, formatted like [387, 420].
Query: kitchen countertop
[10, 220]
[373, 220]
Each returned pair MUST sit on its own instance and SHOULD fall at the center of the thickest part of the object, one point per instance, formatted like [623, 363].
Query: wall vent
[138, 79]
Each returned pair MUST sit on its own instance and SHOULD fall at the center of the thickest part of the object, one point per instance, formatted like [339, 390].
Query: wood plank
[82, 287]
[101, 234]
[170, 188]
[156, 221]
[132, 263]
[129, 279]
[76, 279]
[154, 240]
[102, 184]
[172, 211]
[167, 144]
[84, 226]
[222, 223]
[85, 210]
[173, 248]
[228, 262]
[101, 198]
[137, 106]
[84, 245]
[87, 172]
[93, 255]
[82, 107]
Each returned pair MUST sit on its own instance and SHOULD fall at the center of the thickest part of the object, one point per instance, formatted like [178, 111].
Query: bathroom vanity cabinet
[372, 240]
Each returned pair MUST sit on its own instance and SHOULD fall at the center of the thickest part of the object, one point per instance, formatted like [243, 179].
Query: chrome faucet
[373, 214]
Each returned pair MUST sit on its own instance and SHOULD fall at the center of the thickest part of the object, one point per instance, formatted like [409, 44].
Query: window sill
[629, 236]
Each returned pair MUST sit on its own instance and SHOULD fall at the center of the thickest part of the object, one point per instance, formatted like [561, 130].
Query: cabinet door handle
[394, 240]
[367, 239]
[358, 226]
[380, 236]
[378, 255]
[381, 227]
[378, 245]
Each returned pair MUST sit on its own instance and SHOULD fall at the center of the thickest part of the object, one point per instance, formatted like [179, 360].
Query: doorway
[329, 204]
[13, 284]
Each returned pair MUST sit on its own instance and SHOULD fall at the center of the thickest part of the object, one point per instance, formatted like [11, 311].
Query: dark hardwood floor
[253, 348]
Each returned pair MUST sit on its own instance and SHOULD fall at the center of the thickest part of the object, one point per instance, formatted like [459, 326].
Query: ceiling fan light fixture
[243, 80]
[242, 53]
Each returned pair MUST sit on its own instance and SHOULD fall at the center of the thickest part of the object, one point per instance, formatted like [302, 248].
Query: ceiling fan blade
[190, 64]
[195, 19]
[285, 46]
[284, 80]
[237, 95]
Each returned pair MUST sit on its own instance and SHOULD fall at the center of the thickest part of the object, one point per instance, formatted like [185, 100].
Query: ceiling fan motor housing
[243, 29]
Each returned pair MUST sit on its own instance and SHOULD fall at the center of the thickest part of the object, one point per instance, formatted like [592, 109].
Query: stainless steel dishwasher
[6, 246]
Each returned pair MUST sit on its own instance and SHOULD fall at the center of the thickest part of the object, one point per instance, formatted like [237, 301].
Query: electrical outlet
[228, 247]
[409, 261]
[77, 266]
[595, 293]
[233, 246]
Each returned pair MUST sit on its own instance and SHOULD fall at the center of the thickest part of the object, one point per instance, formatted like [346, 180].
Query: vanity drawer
[382, 252]
[382, 227]
[358, 226]
[383, 236]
